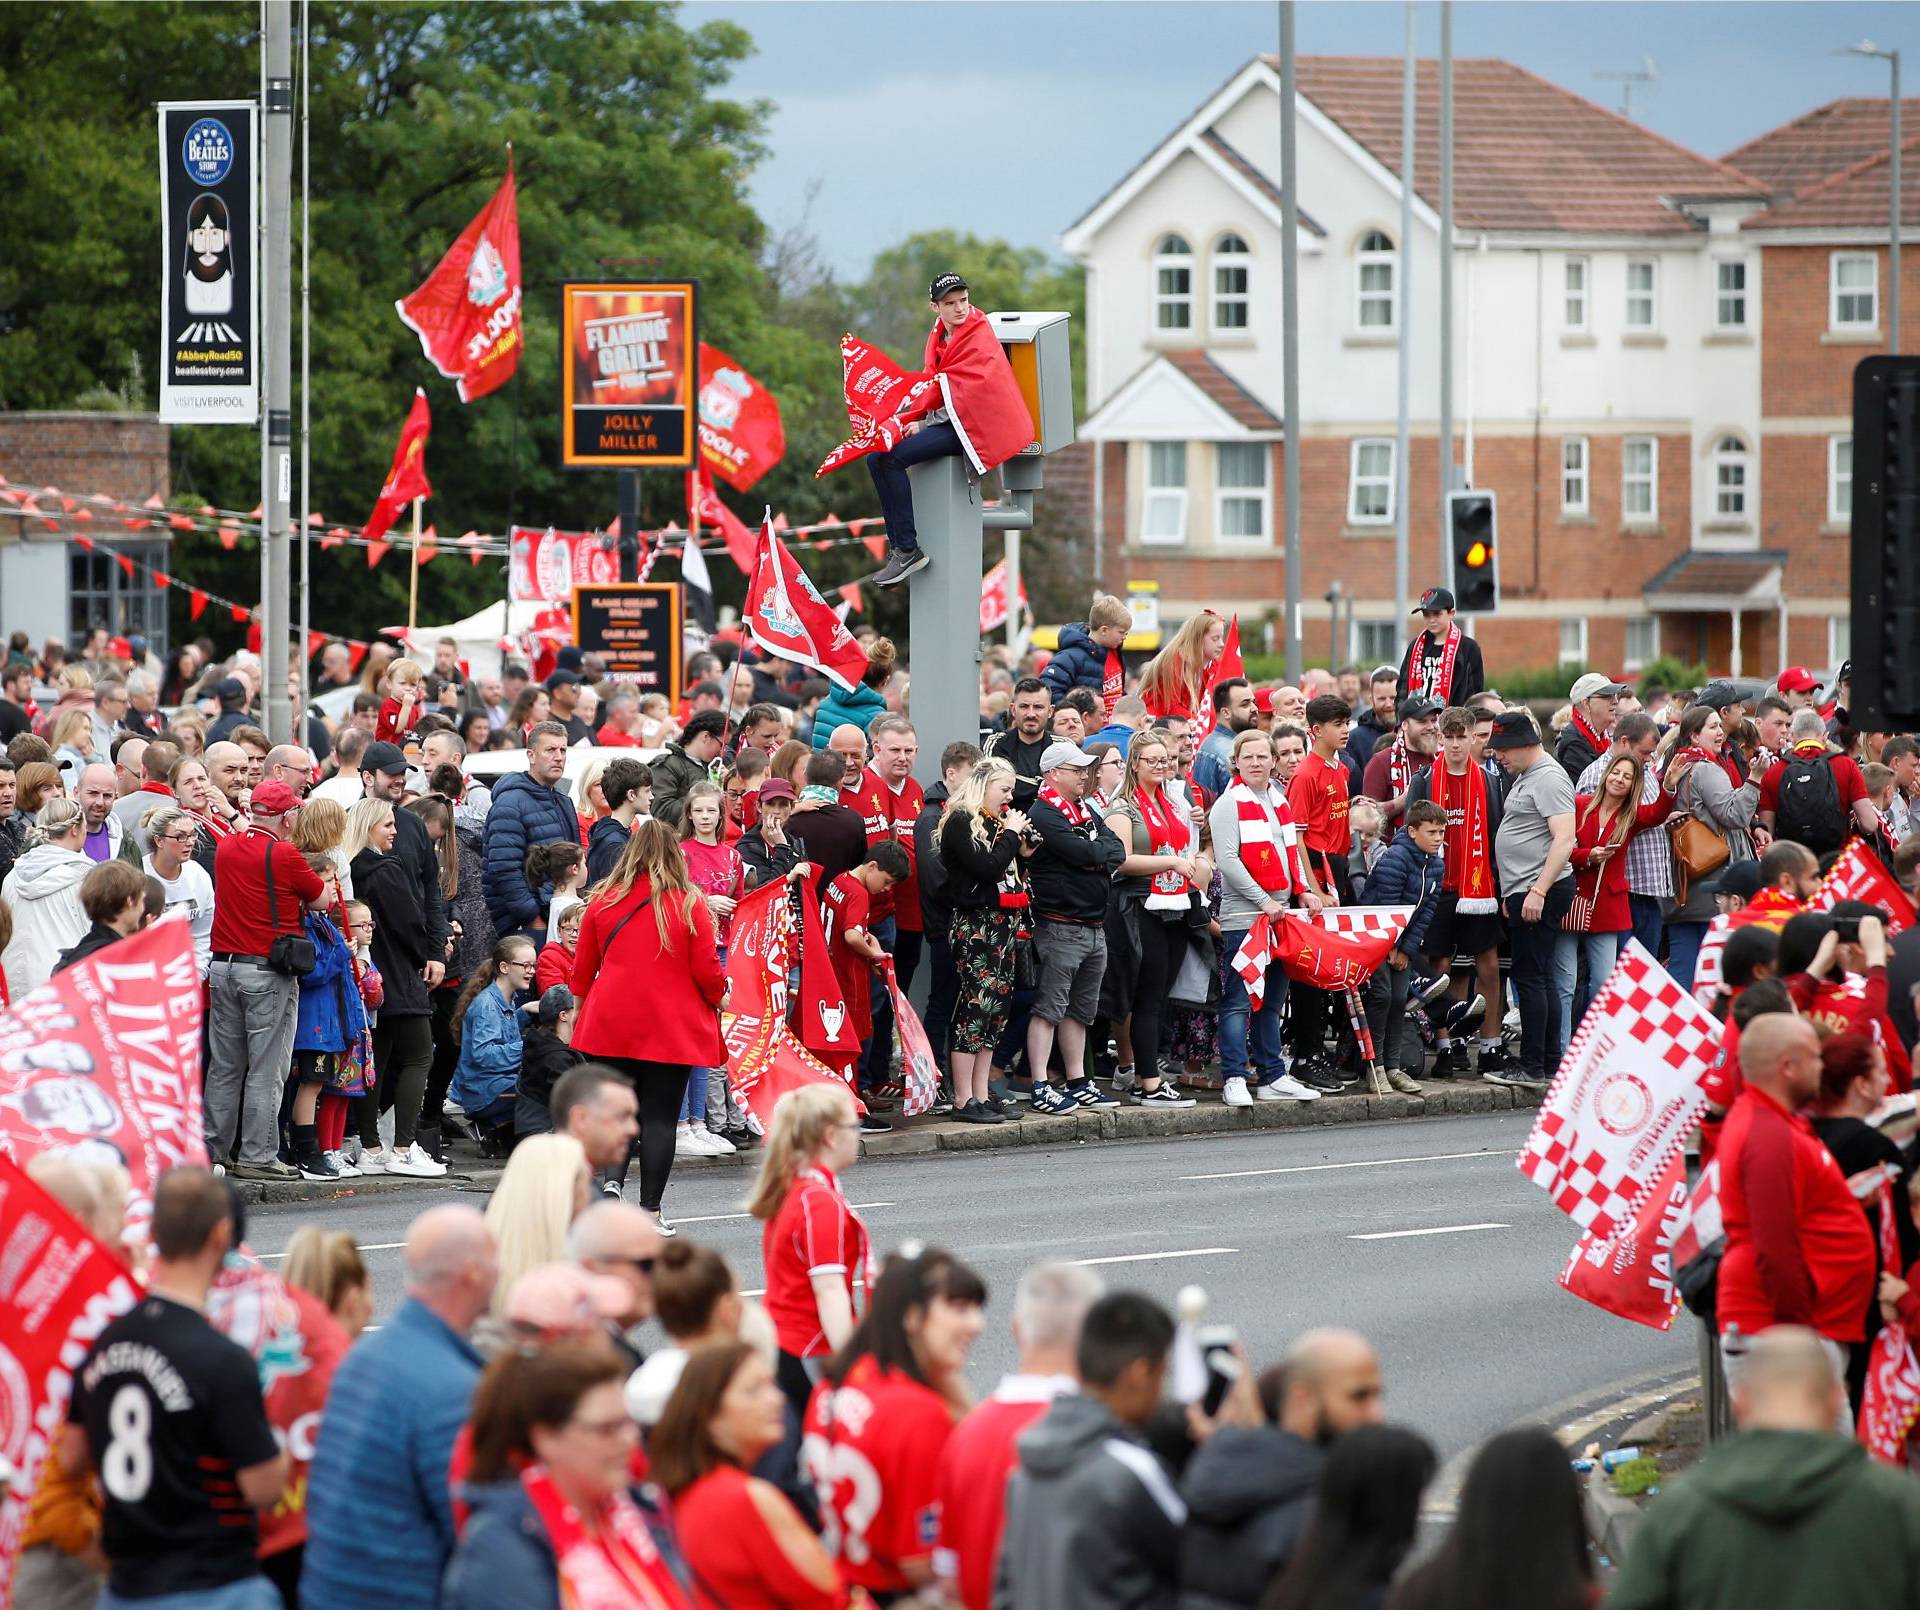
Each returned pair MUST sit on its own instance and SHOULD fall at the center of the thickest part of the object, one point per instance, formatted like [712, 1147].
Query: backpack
[1809, 811]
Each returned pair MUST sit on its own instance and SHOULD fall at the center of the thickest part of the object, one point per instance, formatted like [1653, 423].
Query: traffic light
[1886, 542]
[1476, 564]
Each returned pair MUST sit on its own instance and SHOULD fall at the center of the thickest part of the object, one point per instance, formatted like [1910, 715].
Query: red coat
[978, 391]
[640, 1000]
[1607, 889]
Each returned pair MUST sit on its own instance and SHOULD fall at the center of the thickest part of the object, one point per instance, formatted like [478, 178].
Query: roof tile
[1221, 388]
[1823, 142]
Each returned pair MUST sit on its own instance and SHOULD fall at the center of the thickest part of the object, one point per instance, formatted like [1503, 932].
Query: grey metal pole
[1893, 251]
[306, 354]
[1447, 474]
[277, 275]
[1402, 453]
[1290, 341]
[1014, 621]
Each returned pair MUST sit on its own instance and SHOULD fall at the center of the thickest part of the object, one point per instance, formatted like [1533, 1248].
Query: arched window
[1172, 284]
[1730, 478]
[1375, 264]
[1231, 264]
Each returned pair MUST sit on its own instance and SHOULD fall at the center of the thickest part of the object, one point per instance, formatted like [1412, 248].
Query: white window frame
[1238, 256]
[1651, 296]
[1365, 257]
[1576, 303]
[1725, 299]
[1732, 479]
[1172, 495]
[1839, 508]
[1835, 293]
[1629, 661]
[1630, 478]
[1383, 636]
[1577, 624]
[1576, 480]
[1839, 639]
[1355, 481]
[1167, 260]
[1224, 494]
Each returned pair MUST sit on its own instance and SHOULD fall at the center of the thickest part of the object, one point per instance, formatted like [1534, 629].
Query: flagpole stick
[413, 579]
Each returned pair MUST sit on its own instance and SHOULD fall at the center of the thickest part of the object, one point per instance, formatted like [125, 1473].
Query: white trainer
[1236, 1093]
[417, 1162]
[1287, 1088]
[717, 1145]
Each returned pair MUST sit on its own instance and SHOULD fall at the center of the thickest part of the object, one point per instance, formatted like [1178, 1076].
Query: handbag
[1698, 851]
[291, 955]
[1026, 963]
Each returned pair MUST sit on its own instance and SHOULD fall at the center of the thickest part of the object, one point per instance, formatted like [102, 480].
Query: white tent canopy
[479, 635]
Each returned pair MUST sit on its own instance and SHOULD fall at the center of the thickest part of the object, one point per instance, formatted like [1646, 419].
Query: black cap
[561, 679]
[1718, 695]
[1513, 729]
[383, 756]
[1742, 879]
[1433, 598]
[570, 657]
[230, 690]
[1418, 706]
[944, 284]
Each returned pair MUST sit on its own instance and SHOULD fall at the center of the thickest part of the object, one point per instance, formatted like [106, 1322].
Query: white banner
[209, 292]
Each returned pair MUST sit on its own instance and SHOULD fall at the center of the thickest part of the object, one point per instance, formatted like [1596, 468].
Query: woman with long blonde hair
[546, 1184]
[1174, 681]
[72, 739]
[652, 984]
[983, 844]
[812, 1243]
[327, 1264]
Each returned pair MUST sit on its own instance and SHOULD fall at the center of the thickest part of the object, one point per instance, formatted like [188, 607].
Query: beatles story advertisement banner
[209, 328]
[629, 360]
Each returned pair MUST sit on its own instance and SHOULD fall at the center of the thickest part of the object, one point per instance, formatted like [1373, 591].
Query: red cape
[977, 390]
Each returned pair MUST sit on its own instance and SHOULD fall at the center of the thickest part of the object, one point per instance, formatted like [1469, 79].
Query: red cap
[273, 798]
[1797, 679]
[120, 648]
[1263, 700]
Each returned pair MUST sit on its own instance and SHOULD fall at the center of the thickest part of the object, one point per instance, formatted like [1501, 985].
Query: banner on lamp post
[209, 291]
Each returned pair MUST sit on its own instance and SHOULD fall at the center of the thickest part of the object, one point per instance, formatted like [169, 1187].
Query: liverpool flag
[407, 479]
[787, 616]
[467, 311]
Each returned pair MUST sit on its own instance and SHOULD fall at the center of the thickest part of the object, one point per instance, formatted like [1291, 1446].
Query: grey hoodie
[1093, 1520]
[43, 890]
[1250, 1492]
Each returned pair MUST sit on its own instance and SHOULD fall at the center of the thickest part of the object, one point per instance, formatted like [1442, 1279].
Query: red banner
[764, 1059]
[298, 1345]
[705, 508]
[1891, 1402]
[741, 436]
[993, 598]
[407, 479]
[547, 565]
[1859, 874]
[62, 1287]
[787, 617]
[467, 312]
[104, 1060]
[1230, 665]
[1631, 1273]
[919, 1071]
[876, 387]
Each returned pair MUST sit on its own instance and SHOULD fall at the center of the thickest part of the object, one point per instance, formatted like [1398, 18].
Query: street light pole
[1290, 341]
[1403, 447]
[1868, 48]
[276, 495]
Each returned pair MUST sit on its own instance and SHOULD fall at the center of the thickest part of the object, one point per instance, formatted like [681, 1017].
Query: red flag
[1630, 1273]
[1229, 665]
[467, 311]
[993, 598]
[1859, 874]
[356, 652]
[705, 508]
[64, 1286]
[765, 1059]
[196, 603]
[1114, 684]
[1891, 1402]
[407, 479]
[376, 551]
[875, 388]
[741, 436]
[787, 617]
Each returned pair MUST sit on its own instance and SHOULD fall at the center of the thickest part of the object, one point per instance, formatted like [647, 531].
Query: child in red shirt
[556, 955]
[406, 699]
[846, 906]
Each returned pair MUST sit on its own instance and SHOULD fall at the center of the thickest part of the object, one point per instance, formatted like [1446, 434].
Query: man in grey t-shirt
[1531, 854]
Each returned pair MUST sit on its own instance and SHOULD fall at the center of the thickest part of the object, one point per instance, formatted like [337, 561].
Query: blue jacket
[379, 1508]
[1113, 733]
[331, 1014]
[524, 813]
[1213, 761]
[489, 1062]
[1407, 876]
[839, 708]
[505, 1558]
[1079, 662]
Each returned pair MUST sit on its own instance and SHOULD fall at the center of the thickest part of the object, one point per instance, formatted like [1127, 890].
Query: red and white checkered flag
[1335, 948]
[1859, 874]
[1625, 1098]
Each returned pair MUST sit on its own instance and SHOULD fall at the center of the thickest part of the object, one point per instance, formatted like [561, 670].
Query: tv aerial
[1646, 73]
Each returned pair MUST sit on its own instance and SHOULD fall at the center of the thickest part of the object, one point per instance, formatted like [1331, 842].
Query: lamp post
[1867, 47]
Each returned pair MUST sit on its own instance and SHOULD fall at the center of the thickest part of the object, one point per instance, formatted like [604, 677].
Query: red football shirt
[890, 815]
[815, 1233]
[1318, 797]
[846, 903]
[1846, 778]
[872, 1452]
[974, 1468]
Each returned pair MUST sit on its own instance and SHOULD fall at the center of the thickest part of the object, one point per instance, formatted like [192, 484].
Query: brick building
[1620, 379]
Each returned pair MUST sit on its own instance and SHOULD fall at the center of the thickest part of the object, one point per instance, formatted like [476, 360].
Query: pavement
[1423, 1235]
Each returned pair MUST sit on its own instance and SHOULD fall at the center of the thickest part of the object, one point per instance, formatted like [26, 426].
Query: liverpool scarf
[1580, 725]
[615, 1565]
[1114, 683]
[1075, 811]
[1168, 833]
[1434, 677]
[1265, 842]
[1469, 845]
[1400, 768]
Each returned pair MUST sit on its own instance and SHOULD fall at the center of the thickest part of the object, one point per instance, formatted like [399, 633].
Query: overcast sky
[1012, 119]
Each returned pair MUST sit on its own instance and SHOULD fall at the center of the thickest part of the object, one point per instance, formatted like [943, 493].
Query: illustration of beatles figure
[209, 258]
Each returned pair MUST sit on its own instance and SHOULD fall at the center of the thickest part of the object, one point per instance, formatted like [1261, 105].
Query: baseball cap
[1418, 706]
[1742, 879]
[570, 658]
[1263, 700]
[944, 284]
[273, 798]
[1062, 753]
[1797, 679]
[1513, 729]
[120, 648]
[1718, 695]
[229, 687]
[1593, 684]
[561, 679]
[564, 1297]
[383, 756]
[776, 788]
[1433, 598]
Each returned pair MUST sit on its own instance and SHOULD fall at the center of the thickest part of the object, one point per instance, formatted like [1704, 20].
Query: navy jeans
[1236, 1011]
[1534, 985]
[889, 472]
[878, 1057]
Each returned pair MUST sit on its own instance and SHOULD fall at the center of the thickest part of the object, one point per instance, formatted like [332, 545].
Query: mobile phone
[1224, 1366]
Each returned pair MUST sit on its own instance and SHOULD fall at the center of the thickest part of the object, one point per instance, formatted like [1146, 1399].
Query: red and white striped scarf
[1266, 836]
[1075, 811]
[1437, 683]
[1168, 833]
[1400, 770]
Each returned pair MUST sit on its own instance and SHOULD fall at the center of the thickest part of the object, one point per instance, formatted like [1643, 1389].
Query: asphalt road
[1422, 1235]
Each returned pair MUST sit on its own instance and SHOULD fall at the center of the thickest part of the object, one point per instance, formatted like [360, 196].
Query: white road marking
[1322, 1168]
[377, 1246]
[1438, 1229]
[722, 1218]
[1155, 1257]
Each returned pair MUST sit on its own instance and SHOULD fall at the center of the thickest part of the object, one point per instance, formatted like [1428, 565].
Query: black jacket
[1469, 672]
[767, 863]
[544, 1056]
[832, 837]
[605, 840]
[1575, 751]
[1363, 735]
[1072, 870]
[973, 874]
[413, 849]
[1024, 757]
[1249, 1494]
[386, 886]
[98, 937]
[936, 915]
